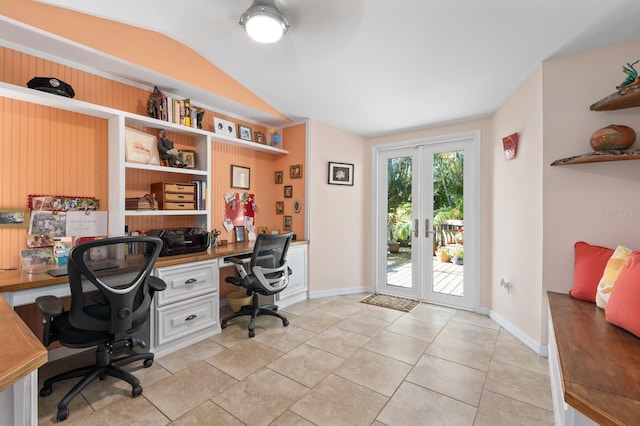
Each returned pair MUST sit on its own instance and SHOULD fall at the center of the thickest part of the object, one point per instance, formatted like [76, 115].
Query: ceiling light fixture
[263, 21]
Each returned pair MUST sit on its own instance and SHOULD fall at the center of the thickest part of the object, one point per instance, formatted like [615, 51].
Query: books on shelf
[166, 108]
[201, 194]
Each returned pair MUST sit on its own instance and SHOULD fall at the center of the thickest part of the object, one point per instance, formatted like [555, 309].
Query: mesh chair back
[121, 278]
[268, 266]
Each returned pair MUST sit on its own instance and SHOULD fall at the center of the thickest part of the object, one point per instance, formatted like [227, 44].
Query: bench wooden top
[600, 362]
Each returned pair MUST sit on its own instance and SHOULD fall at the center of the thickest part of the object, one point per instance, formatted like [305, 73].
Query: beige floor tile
[461, 352]
[362, 324]
[187, 389]
[48, 406]
[261, 397]
[380, 312]
[520, 355]
[403, 348]
[337, 401]
[498, 410]
[412, 327]
[316, 321]
[284, 339]
[234, 334]
[374, 371]
[470, 333]
[104, 392]
[520, 383]
[448, 378]
[474, 318]
[206, 414]
[414, 405]
[137, 411]
[303, 307]
[354, 298]
[183, 358]
[338, 309]
[306, 364]
[244, 359]
[339, 342]
[289, 418]
[505, 336]
[428, 313]
[150, 375]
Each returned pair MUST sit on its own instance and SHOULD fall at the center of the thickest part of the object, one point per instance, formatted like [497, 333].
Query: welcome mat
[392, 302]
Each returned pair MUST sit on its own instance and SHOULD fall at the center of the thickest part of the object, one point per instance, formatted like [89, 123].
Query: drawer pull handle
[191, 317]
[190, 281]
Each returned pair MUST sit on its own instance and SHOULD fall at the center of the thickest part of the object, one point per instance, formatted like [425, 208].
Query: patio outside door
[415, 186]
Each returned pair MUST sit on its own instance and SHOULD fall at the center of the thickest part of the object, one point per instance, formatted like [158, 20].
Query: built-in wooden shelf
[624, 98]
[599, 157]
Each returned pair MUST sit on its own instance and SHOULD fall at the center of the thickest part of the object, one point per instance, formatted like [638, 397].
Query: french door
[426, 203]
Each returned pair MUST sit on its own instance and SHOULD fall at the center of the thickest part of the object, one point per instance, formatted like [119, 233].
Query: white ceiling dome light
[263, 21]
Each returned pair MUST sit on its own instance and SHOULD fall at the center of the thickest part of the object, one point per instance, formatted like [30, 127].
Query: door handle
[427, 230]
[415, 228]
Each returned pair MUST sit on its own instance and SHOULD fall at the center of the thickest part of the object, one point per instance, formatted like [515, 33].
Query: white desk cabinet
[188, 310]
[296, 291]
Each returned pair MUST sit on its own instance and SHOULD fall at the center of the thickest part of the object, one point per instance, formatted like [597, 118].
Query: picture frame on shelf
[340, 174]
[244, 132]
[231, 129]
[141, 147]
[260, 138]
[286, 222]
[239, 231]
[288, 191]
[37, 257]
[279, 207]
[219, 125]
[189, 159]
[295, 171]
[279, 177]
[14, 218]
[240, 177]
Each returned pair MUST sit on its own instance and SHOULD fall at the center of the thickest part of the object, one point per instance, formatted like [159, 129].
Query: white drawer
[187, 281]
[187, 317]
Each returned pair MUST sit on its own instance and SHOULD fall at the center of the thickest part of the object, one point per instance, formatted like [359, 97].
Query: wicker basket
[238, 299]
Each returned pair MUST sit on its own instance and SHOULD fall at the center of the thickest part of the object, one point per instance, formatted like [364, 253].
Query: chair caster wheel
[147, 363]
[63, 414]
[285, 322]
[46, 391]
[251, 333]
[136, 391]
[102, 376]
[223, 325]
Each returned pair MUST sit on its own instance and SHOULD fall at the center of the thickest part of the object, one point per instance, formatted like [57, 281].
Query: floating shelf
[625, 98]
[599, 157]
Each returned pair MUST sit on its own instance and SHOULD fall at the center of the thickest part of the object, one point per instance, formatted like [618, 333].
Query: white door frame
[471, 200]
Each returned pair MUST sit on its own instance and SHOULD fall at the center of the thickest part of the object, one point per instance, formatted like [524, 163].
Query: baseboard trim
[518, 334]
[339, 292]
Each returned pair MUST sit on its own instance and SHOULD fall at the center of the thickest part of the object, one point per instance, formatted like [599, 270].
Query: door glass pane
[448, 222]
[399, 210]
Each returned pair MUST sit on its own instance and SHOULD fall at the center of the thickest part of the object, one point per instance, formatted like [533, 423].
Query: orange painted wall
[49, 151]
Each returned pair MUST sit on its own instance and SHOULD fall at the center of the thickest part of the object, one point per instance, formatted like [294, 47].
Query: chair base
[90, 373]
[254, 310]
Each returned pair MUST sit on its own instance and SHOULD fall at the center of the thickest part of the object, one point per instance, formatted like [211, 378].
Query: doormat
[392, 302]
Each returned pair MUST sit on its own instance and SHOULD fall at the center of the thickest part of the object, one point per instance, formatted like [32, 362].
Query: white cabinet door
[297, 288]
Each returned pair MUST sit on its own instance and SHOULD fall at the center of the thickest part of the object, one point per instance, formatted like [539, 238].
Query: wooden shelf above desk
[599, 157]
[625, 98]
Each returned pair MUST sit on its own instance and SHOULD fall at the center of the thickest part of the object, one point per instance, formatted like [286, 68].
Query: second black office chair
[120, 307]
[267, 274]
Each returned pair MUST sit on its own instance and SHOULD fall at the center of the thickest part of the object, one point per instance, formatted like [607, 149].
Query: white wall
[339, 216]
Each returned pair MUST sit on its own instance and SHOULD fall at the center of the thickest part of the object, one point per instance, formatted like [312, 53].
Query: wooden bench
[594, 365]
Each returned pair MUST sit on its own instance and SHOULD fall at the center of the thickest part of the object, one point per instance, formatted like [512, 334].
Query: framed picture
[189, 159]
[297, 206]
[288, 191]
[231, 129]
[260, 138]
[340, 174]
[286, 222]
[141, 147]
[14, 218]
[240, 177]
[219, 125]
[244, 132]
[510, 146]
[279, 177]
[239, 234]
[37, 257]
[279, 207]
[295, 171]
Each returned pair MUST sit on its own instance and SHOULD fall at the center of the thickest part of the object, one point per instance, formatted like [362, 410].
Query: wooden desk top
[21, 351]
[600, 362]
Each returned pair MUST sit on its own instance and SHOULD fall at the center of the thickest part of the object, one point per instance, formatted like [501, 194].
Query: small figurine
[632, 75]
[167, 151]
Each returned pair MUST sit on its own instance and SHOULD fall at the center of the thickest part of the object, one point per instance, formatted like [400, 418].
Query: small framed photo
[37, 257]
[14, 218]
[288, 191]
[286, 222]
[188, 158]
[279, 207]
[219, 125]
[239, 234]
[231, 129]
[240, 177]
[140, 147]
[279, 177]
[340, 174]
[260, 138]
[295, 171]
[297, 206]
[244, 132]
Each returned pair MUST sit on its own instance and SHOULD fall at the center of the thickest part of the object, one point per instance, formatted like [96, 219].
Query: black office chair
[267, 274]
[105, 319]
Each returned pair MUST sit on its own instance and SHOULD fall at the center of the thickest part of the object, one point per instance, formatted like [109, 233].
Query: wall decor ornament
[614, 136]
[510, 146]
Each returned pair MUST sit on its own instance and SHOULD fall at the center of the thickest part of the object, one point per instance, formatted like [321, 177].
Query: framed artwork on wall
[140, 147]
[288, 191]
[340, 174]
[279, 177]
[286, 222]
[295, 171]
[244, 132]
[240, 177]
[14, 218]
[279, 207]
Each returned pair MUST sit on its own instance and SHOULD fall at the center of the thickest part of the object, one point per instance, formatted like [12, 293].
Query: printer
[182, 240]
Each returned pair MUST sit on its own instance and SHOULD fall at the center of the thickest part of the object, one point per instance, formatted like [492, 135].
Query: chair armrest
[50, 306]
[156, 284]
[234, 260]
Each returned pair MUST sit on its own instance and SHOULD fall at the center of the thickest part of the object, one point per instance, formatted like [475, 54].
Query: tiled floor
[340, 362]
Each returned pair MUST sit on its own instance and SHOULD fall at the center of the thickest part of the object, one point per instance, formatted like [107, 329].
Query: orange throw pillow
[590, 262]
[623, 307]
